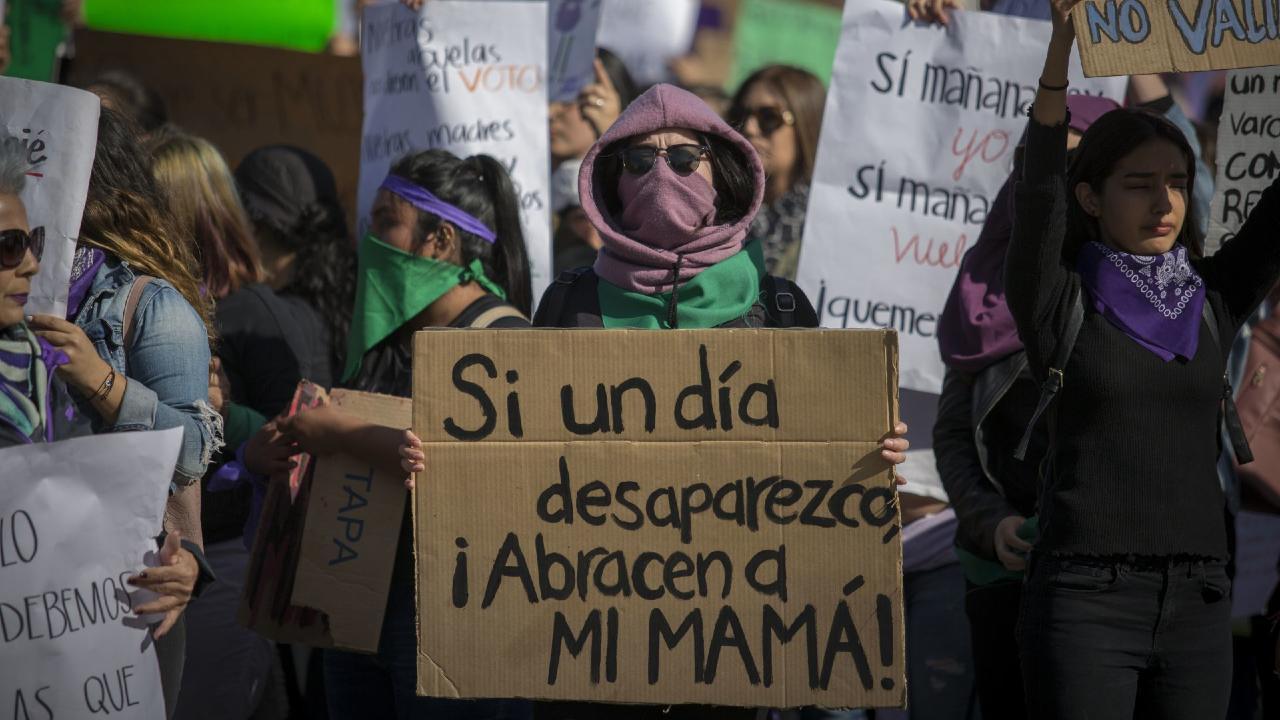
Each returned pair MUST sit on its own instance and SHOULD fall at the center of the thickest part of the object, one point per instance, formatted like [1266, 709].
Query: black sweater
[1136, 439]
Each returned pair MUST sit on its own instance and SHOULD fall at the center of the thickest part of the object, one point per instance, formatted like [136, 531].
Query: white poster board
[918, 135]
[648, 34]
[77, 518]
[571, 27]
[57, 127]
[465, 76]
[1248, 142]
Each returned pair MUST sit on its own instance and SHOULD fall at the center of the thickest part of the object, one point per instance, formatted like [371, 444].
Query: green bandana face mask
[393, 287]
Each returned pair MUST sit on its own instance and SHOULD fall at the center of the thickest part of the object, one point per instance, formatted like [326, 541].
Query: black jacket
[981, 418]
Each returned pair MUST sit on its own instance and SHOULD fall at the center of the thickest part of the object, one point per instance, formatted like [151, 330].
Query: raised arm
[1035, 278]
[1248, 265]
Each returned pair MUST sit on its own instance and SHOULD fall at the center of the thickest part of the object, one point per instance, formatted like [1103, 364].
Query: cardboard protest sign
[465, 76]
[77, 518]
[572, 26]
[1248, 150]
[918, 136]
[57, 128]
[321, 564]
[296, 24]
[658, 517]
[648, 35]
[247, 97]
[352, 530]
[803, 34]
[1131, 37]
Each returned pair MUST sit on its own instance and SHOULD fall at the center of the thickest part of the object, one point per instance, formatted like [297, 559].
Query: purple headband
[422, 199]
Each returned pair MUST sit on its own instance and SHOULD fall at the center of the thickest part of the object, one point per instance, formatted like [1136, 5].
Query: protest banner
[1131, 37]
[77, 518]
[465, 76]
[247, 97]
[322, 560]
[57, 128]
[572, 26]
[917, 138]
[674, 517]
[648, 35]
[803, 34]
[1248, 150]
[296, 24]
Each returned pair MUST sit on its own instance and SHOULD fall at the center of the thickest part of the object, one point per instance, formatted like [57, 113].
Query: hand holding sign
[932, 11]
[174, 578]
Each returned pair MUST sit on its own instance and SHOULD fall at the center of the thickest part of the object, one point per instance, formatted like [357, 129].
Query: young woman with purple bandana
[1126, 608]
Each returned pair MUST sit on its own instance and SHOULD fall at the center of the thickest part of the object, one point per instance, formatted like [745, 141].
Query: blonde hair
[125, 216]
[206, 208]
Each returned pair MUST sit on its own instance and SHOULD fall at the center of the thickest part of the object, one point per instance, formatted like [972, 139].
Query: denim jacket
[167, 366]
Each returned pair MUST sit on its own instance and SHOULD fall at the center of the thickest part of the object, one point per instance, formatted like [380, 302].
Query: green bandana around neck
[393, 287]
[721, 293]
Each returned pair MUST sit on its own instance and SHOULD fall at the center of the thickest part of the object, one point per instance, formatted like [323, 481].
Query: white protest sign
[76, 519]
[465, 76]
[1248, 154]
[57, 128]
[917, 137]
[572, 26]
[647, 35]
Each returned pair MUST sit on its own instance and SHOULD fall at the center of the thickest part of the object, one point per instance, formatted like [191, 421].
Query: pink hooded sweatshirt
[649, 239]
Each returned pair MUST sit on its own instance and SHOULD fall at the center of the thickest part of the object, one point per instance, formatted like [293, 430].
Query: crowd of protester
[1079, 566]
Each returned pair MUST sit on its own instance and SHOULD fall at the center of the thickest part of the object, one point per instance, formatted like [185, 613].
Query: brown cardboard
[1129, 37]
[345, 526]
[836, 399]
[242, 97]
[353, 527]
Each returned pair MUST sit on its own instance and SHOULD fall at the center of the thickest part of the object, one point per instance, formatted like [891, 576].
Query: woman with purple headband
[444, 249]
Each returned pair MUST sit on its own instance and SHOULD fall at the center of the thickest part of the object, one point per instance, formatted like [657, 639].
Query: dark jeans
[384, 685]
[1103, 640]
[993, 632]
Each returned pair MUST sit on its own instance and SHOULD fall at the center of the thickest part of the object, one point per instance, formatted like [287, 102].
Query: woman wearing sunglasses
[33, 400]
[779, 110]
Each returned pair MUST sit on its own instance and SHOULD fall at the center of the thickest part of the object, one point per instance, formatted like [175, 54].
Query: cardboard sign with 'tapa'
[1131, 37]
[659, 517]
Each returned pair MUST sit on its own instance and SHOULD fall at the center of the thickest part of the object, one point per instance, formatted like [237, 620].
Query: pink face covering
[665, 219]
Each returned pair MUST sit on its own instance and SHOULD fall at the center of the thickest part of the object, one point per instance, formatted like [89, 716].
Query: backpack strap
[559, 297]
[1230, 413]
[780, 302]
[494, 314]
[1052, 384]
[131, 306]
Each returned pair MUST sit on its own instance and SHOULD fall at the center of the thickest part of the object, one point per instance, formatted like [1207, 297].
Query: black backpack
[572, 301]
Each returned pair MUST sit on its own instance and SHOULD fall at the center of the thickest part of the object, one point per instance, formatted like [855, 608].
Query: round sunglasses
[768, 118]
[14, 244]
[682, 159]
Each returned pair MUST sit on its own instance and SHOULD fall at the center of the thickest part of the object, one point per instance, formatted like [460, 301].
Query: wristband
[1053, 88]
[104, 390]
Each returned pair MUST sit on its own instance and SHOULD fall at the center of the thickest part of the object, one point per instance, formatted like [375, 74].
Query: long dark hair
[292, 201]
[1108, 141]
[480, 186]
[732, 178]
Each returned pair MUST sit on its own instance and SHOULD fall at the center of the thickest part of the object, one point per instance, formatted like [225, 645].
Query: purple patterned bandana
[1155, 299]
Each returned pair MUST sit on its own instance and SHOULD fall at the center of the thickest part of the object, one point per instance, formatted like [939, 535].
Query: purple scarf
[976, 327]
[1155, 299]
[84, 269]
